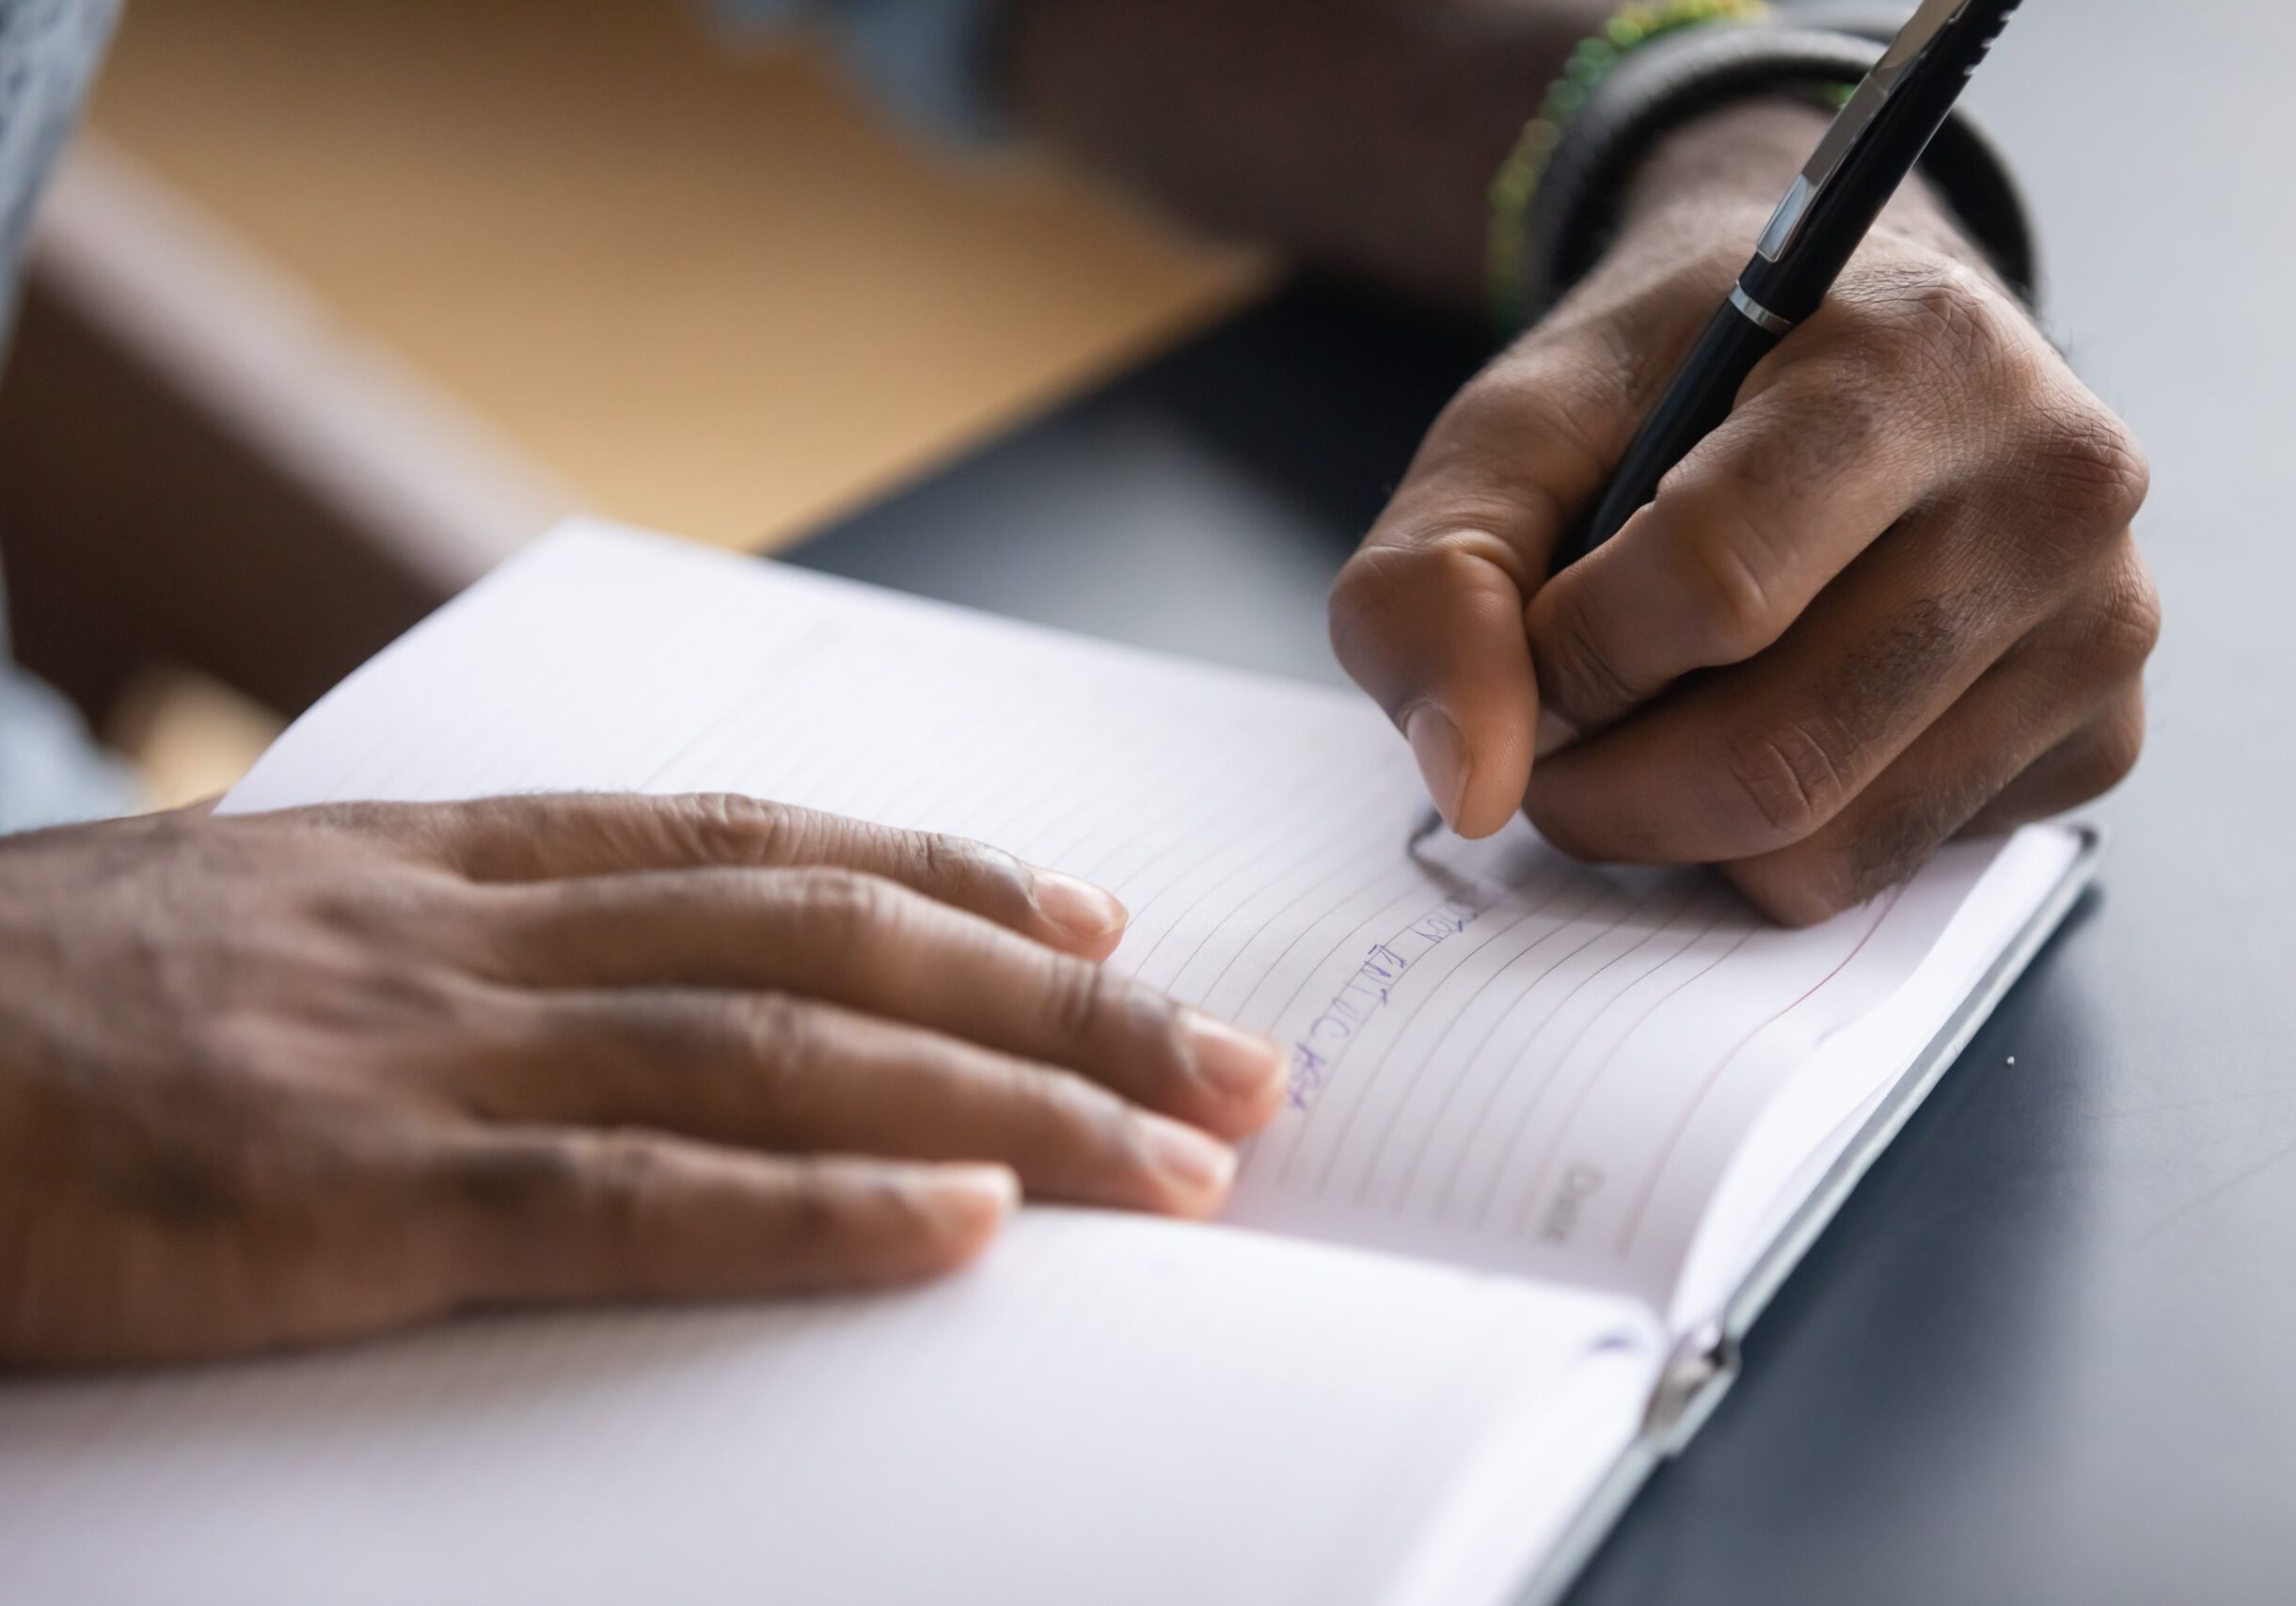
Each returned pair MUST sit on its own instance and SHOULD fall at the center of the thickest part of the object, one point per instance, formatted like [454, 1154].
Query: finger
[2000, 758]
[2057, 721]
[1906, 381]
[1743, 535]
[2085, 765]
[1428, 616]
[777, 1072]
[881, 949]
[1743, 762]
[540, 1215]
[1750, 759]
[582, 834]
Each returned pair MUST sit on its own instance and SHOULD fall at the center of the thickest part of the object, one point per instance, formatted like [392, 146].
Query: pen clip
[1856, 118]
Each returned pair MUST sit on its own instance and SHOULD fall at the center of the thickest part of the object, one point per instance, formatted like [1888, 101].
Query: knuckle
[429, 835]
[2119, 752]
[1866, 328]
[735, 829]
[1717, 566]
[2129, 624]
[481, 840]
[1861, 332]
[940, 859]
[1901, 837]
[1824, 421]
[1948, 315]
[1839, 868]
[1494, 399]
[1359, 595]
[1400, 601]
[1565, 413]
[1577, 671]
[962, 867]
[1046, 1120]
[472, 939]
[1078, 997]
[2092, 470]
[1375, 605]
[1785, 778]
[518, 1183]
[850, 914]
[1556, 407]
[2113, 751]
[1543, 396]
[1826, 418]
[2116, 755]
[621, 1176]
[785, 1044]
[812, 1211]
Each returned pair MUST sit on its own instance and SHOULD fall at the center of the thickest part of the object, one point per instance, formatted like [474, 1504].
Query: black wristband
[1677, 80]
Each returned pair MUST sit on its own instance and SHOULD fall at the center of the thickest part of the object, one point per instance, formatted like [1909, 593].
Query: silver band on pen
[1758, 313]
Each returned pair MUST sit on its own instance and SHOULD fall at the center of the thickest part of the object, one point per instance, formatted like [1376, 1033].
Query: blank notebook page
[1502, 1057]
[1107, 1409]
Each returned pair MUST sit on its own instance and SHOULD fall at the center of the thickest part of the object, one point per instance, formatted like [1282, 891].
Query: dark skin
[1358, 134]
[1895, 598]
[286, 1080]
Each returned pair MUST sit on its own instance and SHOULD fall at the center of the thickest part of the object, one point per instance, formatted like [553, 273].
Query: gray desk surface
[2046, 1354]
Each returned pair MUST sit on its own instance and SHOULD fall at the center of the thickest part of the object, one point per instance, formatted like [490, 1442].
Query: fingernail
[1554, 734]
[1078, 907]
[991, 1192]
[1238, 1064]
[1442, 754]
[1197, 1164]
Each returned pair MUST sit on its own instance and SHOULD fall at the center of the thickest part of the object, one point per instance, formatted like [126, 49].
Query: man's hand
[1896, 596]
[285, 1078]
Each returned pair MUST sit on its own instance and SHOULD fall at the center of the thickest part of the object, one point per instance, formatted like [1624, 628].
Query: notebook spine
[1687, 1394]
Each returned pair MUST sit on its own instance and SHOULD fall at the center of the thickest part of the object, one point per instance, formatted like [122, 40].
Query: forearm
[1362, 133]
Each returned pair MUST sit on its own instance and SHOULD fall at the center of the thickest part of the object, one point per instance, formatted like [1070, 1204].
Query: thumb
[1432, 628]
[1428, 616]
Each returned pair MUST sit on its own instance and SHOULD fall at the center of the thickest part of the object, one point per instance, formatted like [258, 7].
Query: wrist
[1360, 136]
[1715, 180]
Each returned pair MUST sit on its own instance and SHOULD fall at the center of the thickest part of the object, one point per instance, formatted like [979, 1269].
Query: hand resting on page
[281, 1078]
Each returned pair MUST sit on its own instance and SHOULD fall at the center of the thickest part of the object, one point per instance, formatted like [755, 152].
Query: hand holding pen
[1893, 595]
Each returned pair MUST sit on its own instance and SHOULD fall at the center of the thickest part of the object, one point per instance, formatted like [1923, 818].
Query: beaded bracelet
[1593, 60]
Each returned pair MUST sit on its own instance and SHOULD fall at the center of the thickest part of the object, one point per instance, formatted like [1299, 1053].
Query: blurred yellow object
[190, 735]
[709, 291]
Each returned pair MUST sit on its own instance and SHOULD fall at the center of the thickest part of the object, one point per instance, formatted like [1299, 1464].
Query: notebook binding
[1687, 1394]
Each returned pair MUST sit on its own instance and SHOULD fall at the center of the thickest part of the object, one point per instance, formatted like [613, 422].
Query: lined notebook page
[1502, 1057]
[1107, 1409]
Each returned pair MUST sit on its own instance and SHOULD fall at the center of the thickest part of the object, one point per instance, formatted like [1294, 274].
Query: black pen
[1872, 148]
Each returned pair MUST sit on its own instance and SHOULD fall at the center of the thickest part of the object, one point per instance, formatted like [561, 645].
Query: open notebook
[1554, 1133]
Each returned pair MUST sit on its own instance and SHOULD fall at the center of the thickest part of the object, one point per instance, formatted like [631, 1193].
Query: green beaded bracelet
[1593, 60]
